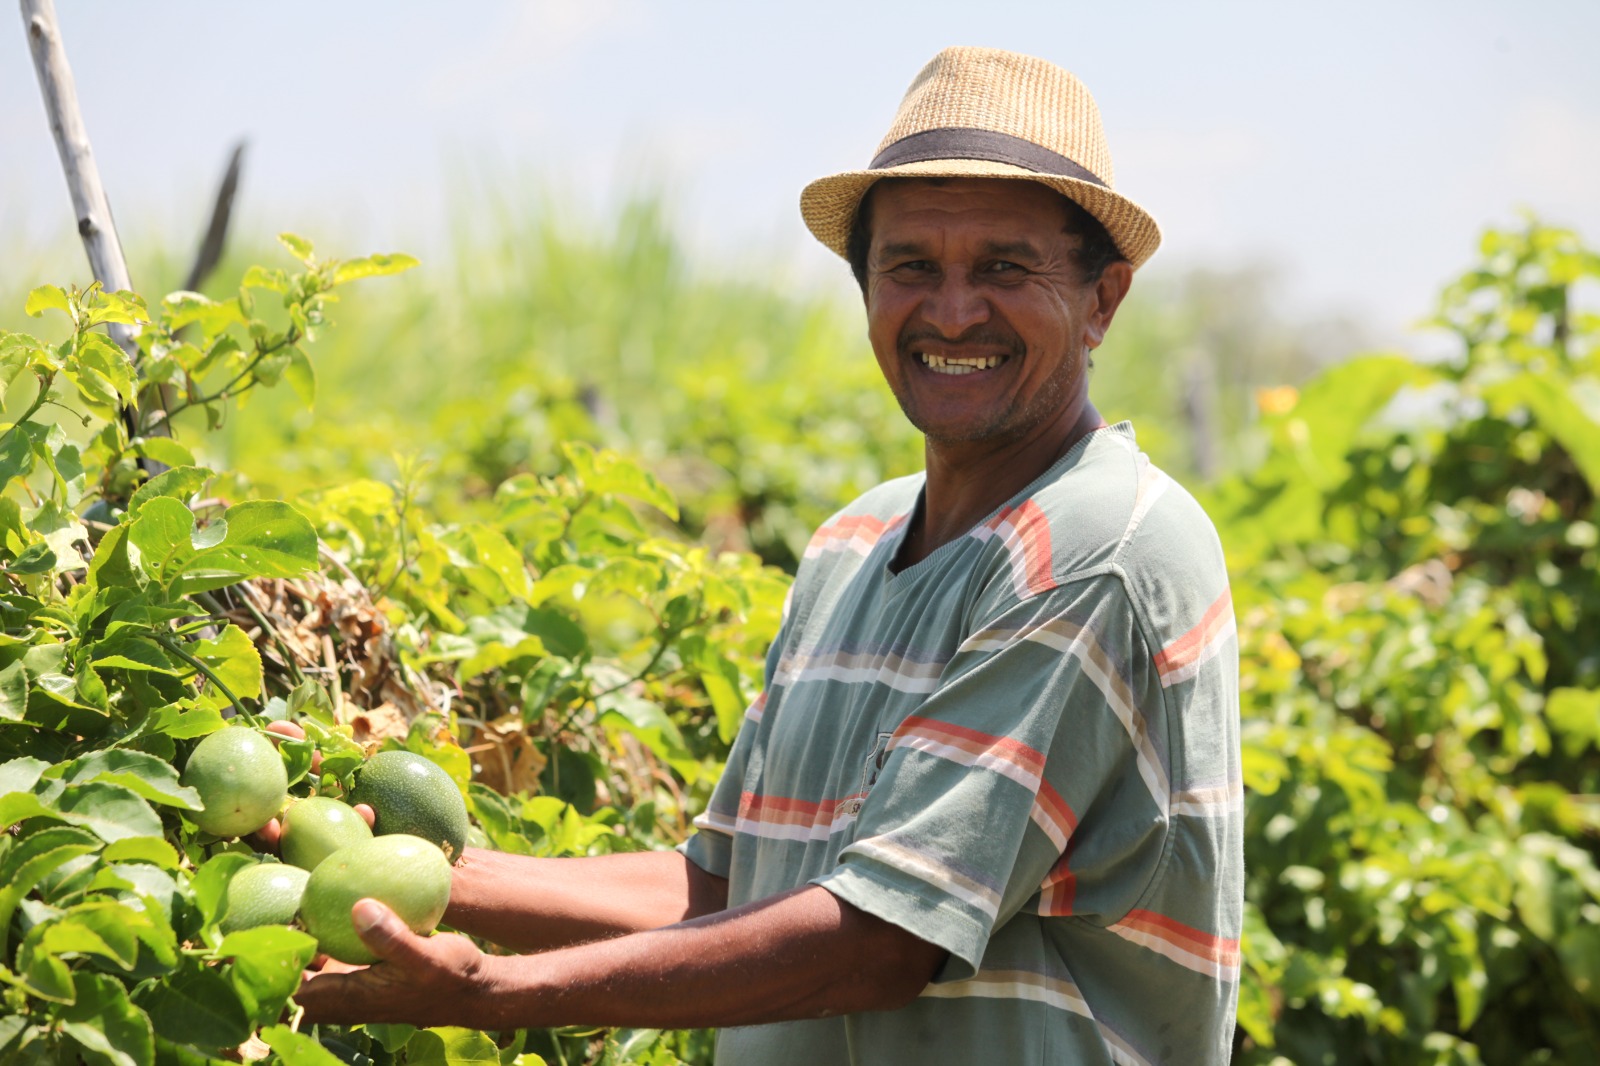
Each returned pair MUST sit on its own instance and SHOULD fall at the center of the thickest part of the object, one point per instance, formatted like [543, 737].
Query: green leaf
[13, 695]
[721, 680]
[260, 277]
[392, 1035]
[30, 861]
[297, 1049]
[268, 962]
[36, 558]
[212, 879]
[1573, 713]
[153, 778]
[16, 455]
[106, 1025]
[102, 928]
[372, 266]
[119, 306]
[111, 567]
[193, 308]
[612, 474]
[451, 1046]
[184, 722]
[560, 634]
[497, 554]
[645, 720]
[163, 450]
[179, 483]
[152, 850]
[134, 653]
[103, 356]
[20, 775]
[265, 538]
[298, 247]
[111, 812]
[17, 806]
[197, 1006]
[46, 298]
[300, 375]
[233, 658]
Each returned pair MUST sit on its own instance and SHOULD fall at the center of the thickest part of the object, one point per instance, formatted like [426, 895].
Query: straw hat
[984, 113]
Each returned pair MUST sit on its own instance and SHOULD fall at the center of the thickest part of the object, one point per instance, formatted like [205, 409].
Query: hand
[270, 834]
[419, 980]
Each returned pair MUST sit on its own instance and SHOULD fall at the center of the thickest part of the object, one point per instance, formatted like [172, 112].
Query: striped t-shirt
[1023, 749]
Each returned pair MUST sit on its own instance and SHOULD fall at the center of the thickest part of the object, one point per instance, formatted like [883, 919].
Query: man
[988, 808]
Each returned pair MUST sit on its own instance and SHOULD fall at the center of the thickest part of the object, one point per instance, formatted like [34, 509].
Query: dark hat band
[988, 145]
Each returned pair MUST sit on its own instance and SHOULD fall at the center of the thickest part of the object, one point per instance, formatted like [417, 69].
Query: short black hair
[1096, 250]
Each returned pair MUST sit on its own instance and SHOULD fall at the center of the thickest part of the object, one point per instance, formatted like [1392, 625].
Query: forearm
[802, 954]
[528, 904]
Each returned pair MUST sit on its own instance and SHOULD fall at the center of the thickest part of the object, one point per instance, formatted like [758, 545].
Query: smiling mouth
[943, 364]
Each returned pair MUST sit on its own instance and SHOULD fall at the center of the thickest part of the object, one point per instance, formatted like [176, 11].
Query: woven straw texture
[988, 89]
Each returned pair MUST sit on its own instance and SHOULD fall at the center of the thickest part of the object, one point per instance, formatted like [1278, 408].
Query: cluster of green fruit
[331, 858]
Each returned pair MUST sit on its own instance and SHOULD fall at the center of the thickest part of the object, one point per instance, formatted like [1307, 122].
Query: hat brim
[829, 204]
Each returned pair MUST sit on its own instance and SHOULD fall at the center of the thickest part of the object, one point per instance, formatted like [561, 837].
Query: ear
[1109, 291]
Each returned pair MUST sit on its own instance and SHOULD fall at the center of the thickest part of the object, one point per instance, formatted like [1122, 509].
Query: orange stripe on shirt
[1051, 814]
[1187, 648]
[857, 532]
[1221, 950]
[1026, 533]
[970, 742]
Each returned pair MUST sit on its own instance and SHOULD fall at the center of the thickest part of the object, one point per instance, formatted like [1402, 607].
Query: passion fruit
[410, 794]
[265, 894]
[408, 874]
[240, 778]
[317, 827]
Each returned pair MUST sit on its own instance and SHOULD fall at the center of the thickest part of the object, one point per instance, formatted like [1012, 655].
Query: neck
[967, 480]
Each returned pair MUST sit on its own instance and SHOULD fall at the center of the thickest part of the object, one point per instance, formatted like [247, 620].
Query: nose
[955, 305]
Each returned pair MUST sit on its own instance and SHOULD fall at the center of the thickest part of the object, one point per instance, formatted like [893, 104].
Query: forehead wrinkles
[924, 220]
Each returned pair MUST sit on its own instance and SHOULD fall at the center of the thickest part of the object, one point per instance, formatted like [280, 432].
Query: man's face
[976, 310]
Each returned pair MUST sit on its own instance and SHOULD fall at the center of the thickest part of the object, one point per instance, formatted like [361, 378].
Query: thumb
[384, 934]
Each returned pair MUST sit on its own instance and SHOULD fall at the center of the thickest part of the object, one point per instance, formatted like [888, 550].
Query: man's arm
[527, 904]
[802, 954]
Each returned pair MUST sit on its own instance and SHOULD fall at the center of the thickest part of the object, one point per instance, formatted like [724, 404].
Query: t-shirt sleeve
[1032, 776]
[711, 846]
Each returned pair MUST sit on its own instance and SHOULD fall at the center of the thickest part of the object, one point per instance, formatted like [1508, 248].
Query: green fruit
[409, 794]
[317, 827]
[265, 894]
[407, 873]
[240, 779]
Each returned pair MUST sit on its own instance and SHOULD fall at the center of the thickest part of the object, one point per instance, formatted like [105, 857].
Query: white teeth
[946, 365]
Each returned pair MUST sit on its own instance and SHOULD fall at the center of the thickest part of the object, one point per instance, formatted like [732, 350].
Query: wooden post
[72, 141]
[216, 236]
[89, 203]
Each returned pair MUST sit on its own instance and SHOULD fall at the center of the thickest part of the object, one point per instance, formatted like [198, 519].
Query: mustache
[985, 336]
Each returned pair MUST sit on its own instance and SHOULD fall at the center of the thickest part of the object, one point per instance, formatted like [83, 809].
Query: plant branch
[210, 675]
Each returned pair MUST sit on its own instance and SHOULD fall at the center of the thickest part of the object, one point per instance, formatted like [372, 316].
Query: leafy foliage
[1416, 570]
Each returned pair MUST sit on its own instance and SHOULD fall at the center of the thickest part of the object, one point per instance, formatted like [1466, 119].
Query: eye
[1003, 266]
[912, 266]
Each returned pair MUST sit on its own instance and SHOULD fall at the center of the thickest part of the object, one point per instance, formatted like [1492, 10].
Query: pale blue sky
[1358, 146]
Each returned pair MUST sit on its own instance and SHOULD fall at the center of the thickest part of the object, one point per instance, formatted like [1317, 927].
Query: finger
[270, 835]
[326, 997]
[286, 729]
[367, 813]
[386, 936]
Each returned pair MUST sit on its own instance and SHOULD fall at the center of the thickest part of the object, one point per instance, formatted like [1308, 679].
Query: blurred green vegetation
[756, 400]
